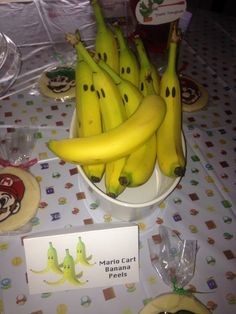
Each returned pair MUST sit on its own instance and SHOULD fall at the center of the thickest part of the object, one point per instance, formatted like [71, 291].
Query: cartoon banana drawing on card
[52, 262]
[81, 256]
[68, 273]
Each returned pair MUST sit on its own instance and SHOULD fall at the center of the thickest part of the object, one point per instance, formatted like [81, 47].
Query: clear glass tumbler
[10, 63]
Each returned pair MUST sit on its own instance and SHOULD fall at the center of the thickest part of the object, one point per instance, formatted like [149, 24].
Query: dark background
[227, 7]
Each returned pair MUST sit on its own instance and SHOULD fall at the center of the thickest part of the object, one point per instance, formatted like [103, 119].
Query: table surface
[202, 207]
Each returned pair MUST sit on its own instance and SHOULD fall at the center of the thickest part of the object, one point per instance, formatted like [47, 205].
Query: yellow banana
[88, 112]
[170, 154]
[106, 45]
[113, 170]
[129, 66]
[131, 95]
[52, 262]
[113, 114]
[140, 163]
[117, 142]
[146, 68]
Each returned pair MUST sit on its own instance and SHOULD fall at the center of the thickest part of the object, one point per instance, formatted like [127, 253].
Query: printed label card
[82, 257]
[156, 12]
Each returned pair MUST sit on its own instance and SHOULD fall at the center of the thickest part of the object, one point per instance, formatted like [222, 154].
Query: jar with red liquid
[155, 37]
[153, 21]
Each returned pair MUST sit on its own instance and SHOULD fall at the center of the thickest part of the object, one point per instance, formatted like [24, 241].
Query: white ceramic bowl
[134, 203]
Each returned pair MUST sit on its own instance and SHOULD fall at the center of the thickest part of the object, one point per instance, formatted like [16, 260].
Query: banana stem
[172, 58]
[143, 57]
[171, 67]
[87, 58]
[120, 38]
[116, 78]
[82, 52]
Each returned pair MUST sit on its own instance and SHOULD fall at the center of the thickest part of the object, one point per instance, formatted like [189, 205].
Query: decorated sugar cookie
[194, 95]
[19, 198]
[175, 303]
[58, 83]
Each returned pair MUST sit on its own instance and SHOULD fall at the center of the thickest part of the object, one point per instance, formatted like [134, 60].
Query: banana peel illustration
[81, 256]
[52, 262]
[69, 274]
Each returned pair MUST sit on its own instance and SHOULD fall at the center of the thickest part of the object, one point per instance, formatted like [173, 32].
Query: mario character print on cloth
[19, 198]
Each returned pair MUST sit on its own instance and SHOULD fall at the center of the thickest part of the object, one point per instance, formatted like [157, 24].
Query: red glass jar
[155, 37]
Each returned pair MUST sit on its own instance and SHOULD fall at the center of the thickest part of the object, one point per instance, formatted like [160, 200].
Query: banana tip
[124, 181]
[112, 195]
[50, 144]
[179, 171]
[95, 179]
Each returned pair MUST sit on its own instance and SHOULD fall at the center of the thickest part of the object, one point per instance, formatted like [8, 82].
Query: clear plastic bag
[43, 34]
[174, 258]
[16, 148]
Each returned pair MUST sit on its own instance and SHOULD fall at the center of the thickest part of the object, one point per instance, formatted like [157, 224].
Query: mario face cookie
[19, 198]
[12, 190]
[58, 83]
[194, 96]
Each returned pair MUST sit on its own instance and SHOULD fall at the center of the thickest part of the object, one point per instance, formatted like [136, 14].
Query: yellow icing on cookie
[172, 303]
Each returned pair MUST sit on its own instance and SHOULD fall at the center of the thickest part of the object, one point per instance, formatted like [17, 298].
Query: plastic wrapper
[174, 258]
[10, 63]
[43, 24]
[16, 148]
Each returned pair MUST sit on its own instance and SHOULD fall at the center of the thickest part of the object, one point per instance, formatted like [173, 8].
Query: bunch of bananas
[128, 118]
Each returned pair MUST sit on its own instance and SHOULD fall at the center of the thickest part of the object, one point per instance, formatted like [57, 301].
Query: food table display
[201, 208]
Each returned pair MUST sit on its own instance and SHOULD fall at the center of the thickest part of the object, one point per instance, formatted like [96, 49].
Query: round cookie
[174, 303]
[19, 198]
[194, 96]
[58, 82]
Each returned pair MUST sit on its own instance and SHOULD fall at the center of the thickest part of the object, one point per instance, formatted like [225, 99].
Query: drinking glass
[10, 63]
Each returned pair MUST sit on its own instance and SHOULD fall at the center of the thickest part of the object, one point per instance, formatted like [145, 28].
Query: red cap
[12, 184]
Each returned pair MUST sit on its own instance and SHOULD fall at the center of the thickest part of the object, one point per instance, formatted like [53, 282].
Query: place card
[159, 12]
[82, 257]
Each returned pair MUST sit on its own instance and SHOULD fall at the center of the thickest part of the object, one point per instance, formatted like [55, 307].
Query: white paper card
[159, 12]
[83, 257]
